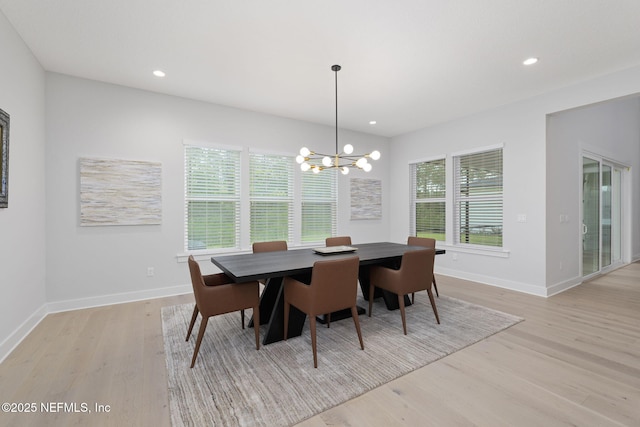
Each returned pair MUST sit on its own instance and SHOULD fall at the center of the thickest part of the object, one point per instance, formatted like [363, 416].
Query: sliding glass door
[590, 216]
[601, 215]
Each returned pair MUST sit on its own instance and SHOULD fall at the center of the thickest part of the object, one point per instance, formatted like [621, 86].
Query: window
[478, 198]
[234, 197]
[428, 199]
[212, 198]
[318, 206]
[271, 197]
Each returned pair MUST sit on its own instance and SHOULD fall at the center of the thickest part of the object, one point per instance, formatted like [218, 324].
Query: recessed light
[159, 73]
[372, 122]
[530, 61]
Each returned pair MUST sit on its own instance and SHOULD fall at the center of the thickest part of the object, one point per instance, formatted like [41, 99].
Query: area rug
[232, 384]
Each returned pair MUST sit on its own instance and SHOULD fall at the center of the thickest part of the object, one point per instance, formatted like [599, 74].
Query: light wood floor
[575, 360]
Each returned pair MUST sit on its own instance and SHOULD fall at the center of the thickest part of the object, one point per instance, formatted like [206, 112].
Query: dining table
[273, 267]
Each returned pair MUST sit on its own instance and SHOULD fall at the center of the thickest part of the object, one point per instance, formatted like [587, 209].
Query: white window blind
[428, 191]
[319, 197]
[212, 198]
[478, 198]
[271, 197]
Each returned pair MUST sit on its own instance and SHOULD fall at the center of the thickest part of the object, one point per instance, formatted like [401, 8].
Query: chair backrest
[334, 284]
[338, 241]
[196, 277]
[416, 270]
[278, 245]
[198, 280]
[427, 242]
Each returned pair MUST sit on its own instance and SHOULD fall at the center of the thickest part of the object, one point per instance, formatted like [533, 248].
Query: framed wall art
[120, 192]
[4, 159]
[366, 198]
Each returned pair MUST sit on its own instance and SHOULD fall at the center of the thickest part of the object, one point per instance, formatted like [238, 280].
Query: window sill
[206, 254]
[477, 250]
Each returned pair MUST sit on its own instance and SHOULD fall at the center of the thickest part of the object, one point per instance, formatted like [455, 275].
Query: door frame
[625, 213]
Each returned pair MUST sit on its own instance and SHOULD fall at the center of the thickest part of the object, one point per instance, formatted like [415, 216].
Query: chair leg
[193, 321]
[312, 327]
[286, 318]
[242, 317]
[356, 321]
[329, 320]
[435, 286]
[203, 326]
[371, 289]
[256, 324]
[404, 319]
[433, 304]
[413, 297]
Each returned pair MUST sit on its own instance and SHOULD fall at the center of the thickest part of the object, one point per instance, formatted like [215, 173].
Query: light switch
[522, 217]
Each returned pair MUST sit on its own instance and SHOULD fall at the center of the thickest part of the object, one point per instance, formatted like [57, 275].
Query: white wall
[22, 224]
[46, 257]
[90, 119]
[522, 133]
[610, 129]
[529, 187]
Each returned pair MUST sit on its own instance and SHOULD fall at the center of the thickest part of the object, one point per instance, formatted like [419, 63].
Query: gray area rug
[232, 384]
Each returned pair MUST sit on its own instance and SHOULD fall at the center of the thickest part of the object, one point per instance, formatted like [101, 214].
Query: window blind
[319, 205]
[212, 198]
[428, 191]
[478, 202]
[271, 197]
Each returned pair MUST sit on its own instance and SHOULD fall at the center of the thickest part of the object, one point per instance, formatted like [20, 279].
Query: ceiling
[407, 64]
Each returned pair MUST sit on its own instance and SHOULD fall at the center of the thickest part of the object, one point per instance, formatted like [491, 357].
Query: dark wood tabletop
[247, 267]
[274, 266]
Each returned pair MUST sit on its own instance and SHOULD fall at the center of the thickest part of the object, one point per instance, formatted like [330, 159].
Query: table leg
[390, 298]
[340, 315]
[268, 299]
[272, 313]
[363, 278]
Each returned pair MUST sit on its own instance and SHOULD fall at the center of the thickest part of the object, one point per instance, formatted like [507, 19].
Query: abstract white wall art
[120, 192]
[366, 198]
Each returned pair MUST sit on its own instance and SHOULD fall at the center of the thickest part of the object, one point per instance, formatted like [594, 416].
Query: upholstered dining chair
[333, 287]
[274, 246]
[216, 294]
[277, 245]
[427, 242]
[338, 241]
[411, 277]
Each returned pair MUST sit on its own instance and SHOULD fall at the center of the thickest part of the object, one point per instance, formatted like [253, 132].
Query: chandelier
[342, 160]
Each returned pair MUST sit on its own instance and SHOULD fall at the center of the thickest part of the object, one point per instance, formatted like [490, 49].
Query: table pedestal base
[339, 315]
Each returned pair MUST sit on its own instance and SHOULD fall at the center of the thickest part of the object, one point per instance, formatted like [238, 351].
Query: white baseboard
[12, 341]
[99, 301]
[9, 344]
[494, 281]
[563, 286]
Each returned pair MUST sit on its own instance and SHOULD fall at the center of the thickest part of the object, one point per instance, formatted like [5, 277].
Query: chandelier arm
[354, 157]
